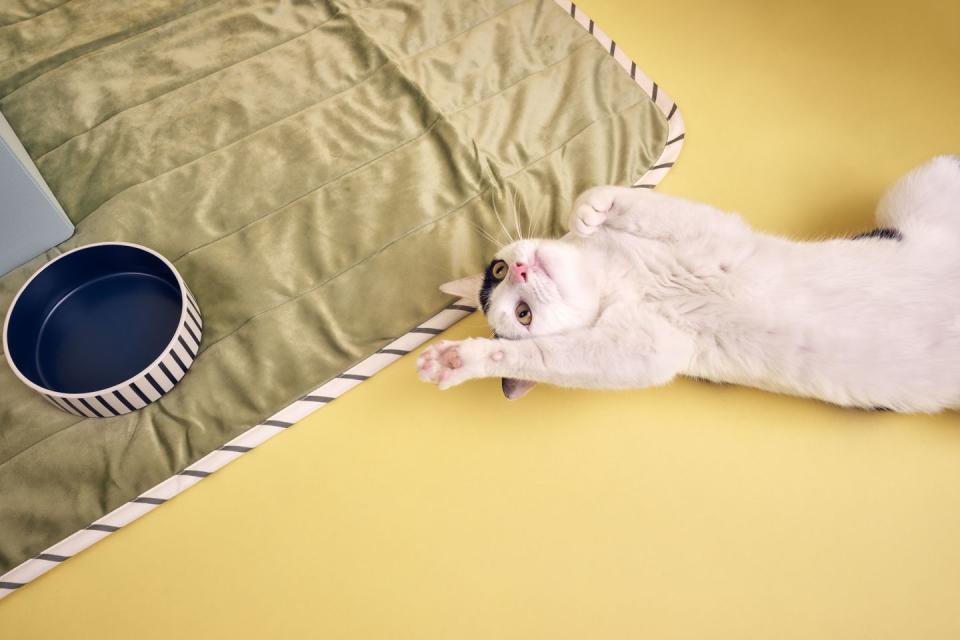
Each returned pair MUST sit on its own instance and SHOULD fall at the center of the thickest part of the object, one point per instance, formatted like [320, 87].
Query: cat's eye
[499, 269]
[523, 313]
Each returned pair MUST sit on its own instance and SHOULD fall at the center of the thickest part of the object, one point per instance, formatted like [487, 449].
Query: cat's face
[538, 287]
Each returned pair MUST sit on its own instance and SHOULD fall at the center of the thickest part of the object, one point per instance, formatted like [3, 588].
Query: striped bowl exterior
[149, 385]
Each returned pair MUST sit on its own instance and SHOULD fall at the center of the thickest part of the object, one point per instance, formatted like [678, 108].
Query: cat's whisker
[487, 236]
[496, 212]
[530, 219]
[492, 240]
[516, 211]
[534, 220]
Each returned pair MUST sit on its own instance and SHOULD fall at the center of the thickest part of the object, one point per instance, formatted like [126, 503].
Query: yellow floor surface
[693, 511]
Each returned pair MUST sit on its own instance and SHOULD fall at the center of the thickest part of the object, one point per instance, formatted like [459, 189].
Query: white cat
[648, 286]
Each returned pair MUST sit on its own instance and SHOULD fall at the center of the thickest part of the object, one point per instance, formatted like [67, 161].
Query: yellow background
[693, 511]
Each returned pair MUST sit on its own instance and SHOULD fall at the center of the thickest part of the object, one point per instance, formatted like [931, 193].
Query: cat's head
[532, 288]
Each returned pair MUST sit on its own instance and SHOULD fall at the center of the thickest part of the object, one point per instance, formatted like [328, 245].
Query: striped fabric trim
[675, 127]
[242, 444]
[187, 345]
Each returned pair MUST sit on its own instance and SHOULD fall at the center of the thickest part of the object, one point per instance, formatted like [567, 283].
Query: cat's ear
[468, 288]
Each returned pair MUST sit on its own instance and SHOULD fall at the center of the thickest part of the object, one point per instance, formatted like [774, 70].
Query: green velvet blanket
[314, 169]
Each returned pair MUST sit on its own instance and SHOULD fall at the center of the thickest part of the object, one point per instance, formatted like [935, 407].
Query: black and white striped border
[675, 127]
[275, 424]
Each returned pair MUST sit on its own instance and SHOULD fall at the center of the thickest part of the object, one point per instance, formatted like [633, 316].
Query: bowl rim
[184, 302]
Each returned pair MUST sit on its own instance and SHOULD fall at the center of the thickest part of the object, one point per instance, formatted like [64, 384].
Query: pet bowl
[103, 330]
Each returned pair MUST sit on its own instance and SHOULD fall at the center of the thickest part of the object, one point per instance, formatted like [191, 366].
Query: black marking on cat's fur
[708, 381]
[883, 233]
[489, 283]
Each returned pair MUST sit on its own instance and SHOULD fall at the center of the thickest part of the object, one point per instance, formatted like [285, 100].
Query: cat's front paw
[591, 210]
[448, 363]
[438, 360]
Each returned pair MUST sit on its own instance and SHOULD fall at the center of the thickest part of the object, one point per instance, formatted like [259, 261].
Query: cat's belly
[879, 364]
[865, 324]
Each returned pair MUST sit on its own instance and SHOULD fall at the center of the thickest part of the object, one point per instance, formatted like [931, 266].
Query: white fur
[648, 286]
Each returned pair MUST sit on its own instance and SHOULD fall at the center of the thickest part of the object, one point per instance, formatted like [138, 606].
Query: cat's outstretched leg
[609, 356]
[925, 200]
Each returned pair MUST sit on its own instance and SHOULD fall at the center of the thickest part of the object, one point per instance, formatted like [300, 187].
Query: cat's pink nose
[519, 272]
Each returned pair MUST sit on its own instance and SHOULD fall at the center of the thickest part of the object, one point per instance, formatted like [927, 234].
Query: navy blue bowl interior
[94, 319]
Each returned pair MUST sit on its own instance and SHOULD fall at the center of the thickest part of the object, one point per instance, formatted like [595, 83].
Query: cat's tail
[926, 199]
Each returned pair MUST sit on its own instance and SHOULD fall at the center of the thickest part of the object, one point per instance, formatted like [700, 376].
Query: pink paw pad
[496, 356]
